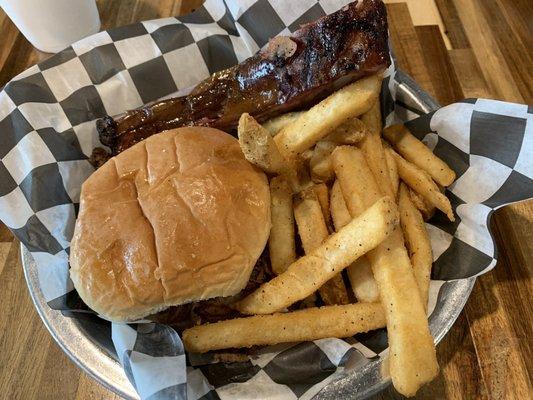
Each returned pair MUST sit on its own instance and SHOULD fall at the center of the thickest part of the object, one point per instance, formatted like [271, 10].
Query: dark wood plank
[445, 84]
[513, 231]
[452, 23]
[187, 6]
[459, 364]
[500, 311]
[88, 389]
[120, 12]
[468, 73]
[9, 35]
[460, 376]
[519, 14]
[124, 12]
[516, 52]
[406, 47]
[23, 338]
[21, 56]
[5, 234]
[485, 47]
[496, 341]
[62, 379]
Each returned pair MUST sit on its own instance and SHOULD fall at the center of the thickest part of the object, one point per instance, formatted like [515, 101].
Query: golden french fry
[313, 231]
[364, 285]
[372, 118]
[417, 242]
[322, 193]
[359, 272]
[426, 209]
[258, 146]
[339, 212]
[349, 132]
[309, 220]
[313, 125]
[311, 271]
[413, 360]
[320, 162]
[393, 173]
[372, 148]
[281, 241]
[416, 152]
[421, 182]
[260, 149]
[297, 326]
[346, 161]
[274, 125]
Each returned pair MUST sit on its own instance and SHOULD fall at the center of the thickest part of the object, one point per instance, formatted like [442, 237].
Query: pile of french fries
[357, 196]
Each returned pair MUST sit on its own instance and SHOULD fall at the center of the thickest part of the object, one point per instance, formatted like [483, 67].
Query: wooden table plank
[519, 57]
[424, 12]
[452, 24]
[119, 13]
[446, 87]
[406, 47]
[488, 352]
[88, 389]
[492, 61]
[496, 340]
[9, 35]
[469, 74]
[513, 227]
[62, 380]
[23, 338]
[519, 13]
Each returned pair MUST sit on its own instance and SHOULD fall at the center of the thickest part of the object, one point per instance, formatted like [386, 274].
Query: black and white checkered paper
[47, 132]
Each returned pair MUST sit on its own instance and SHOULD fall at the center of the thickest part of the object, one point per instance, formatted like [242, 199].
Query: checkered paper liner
[47, 133]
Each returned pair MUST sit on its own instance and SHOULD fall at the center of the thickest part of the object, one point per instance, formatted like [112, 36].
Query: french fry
[320, 162]
[276, 124]
[309, 220]
[258, 146]
[339, 212]
[311, 271]
[297, 326]
[412, 353]
[372, 118]
[359, 272]
[313, 231]
[364, 285]
[313, 125]
[260, 149]
[281, 241]
[417, 242]
[372, 148]
[422, 183]
[393, 173]
[416, 152]
[349, 132]
[322, 193]
[426, 209]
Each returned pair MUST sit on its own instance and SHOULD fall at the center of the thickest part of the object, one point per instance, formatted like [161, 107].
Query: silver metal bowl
[87, 339]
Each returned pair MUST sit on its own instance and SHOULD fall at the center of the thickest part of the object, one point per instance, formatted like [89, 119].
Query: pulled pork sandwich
[178, 218]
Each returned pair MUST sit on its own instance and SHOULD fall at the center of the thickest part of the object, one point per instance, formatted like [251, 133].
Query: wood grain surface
[453, 49]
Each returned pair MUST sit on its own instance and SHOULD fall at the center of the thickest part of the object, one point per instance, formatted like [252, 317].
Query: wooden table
[453, 49]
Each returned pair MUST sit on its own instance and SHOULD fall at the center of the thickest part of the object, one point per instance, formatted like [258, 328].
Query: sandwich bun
[177, 218]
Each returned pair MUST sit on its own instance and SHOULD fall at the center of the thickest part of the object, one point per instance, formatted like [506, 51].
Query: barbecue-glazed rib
[290, 73]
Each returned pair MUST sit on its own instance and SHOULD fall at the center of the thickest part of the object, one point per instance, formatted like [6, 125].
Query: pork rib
[290, 73]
